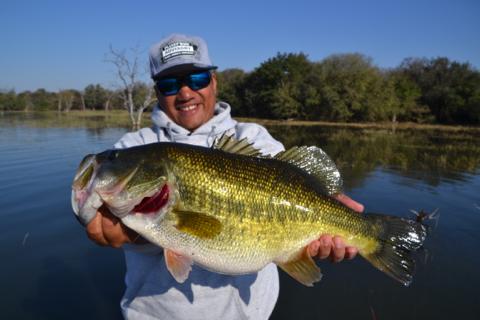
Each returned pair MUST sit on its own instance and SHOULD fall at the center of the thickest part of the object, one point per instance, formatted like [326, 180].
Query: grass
[356, 147]
[379, 125]
[74, 118]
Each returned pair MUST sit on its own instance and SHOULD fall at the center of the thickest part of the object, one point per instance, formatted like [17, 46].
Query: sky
[59, 45]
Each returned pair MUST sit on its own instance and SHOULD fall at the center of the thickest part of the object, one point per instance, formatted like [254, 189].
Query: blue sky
[61, 44]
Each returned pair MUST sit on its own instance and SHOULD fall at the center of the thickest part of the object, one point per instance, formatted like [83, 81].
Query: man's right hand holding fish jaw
[106, 229]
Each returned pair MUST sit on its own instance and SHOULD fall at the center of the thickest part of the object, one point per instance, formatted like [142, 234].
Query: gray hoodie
[152, 292]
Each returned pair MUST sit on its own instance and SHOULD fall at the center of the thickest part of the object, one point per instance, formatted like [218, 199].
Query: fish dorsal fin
[313, 160]
[231, 145]
[317, 163]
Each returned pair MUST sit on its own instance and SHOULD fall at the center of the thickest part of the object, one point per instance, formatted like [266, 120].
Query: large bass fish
[231, 210]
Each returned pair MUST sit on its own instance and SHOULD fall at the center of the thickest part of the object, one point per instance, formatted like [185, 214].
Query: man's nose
[184, 93]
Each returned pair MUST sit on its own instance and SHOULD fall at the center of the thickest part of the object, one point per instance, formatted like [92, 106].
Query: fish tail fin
[397, 239]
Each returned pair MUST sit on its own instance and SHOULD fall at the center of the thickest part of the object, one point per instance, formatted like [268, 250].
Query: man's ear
[158, 94]
[214, 81]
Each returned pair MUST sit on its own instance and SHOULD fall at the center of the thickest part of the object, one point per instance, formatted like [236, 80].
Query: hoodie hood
[221, 123]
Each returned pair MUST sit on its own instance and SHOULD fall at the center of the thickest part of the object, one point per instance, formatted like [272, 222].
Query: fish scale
[254, 225]
[234, 213]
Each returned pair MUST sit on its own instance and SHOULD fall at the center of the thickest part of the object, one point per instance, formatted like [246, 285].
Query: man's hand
[105, 229]
[334, 249]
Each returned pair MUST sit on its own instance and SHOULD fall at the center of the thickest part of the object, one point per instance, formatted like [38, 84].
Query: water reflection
[389, 171]
[430, 156]
[75, 119]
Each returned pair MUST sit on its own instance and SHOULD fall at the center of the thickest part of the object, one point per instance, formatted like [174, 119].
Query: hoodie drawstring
[172, 139]
[169, 129]
[213, 138]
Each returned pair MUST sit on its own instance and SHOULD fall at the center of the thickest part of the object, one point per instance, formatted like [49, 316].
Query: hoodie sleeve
[137, 138]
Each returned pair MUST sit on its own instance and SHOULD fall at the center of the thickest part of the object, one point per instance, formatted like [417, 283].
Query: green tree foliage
[95, 97]
[230, 85]
[341, 87]
[449, 89]
[41, 100]
[9, 101]
[352, 89]
[277, 88]
[408, 94]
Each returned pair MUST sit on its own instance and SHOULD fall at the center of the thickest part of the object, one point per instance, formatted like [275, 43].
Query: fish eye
[112, 155]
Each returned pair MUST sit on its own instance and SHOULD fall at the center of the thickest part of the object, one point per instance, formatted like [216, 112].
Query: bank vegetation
[342, 88]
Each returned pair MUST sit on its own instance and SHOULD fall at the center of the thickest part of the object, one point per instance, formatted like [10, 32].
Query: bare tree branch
[127, 71]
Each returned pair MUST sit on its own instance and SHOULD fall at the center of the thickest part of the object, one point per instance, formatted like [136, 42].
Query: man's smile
[188, 108]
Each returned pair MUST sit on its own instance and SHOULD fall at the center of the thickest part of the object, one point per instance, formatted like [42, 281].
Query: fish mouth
[121, 196]
[81, 196]
[155, 202]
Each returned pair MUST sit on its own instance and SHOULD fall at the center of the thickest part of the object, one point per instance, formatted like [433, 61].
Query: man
[187, 112]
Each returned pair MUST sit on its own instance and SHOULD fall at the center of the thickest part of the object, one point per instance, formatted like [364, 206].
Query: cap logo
[176, 49]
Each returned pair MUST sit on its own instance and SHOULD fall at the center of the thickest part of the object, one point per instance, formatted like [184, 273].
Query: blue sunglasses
[170, 86]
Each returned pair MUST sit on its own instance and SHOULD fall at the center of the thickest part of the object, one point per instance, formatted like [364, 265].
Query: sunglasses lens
[198, 81]
[168, 86]
[171, 86]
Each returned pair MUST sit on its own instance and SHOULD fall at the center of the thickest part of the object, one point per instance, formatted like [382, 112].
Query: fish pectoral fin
[197, 224]
[302, 268]
[179, 266]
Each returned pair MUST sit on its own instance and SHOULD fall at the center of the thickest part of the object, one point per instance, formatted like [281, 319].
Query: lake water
[50, 270]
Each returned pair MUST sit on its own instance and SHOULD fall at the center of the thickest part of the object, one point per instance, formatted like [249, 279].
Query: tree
[9, 100]
[451, 90]
[95, 96]
[230, 87]
[26, 99]
[68, 98]
[408, 94]
[41, 100]
[111, 95]
[352, 89]
[143, 96]
[128, 71]
[285, 77]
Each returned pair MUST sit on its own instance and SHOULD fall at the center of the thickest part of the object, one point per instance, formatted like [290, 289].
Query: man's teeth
[188, 108]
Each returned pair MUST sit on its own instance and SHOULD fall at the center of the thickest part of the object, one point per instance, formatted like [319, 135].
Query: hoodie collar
[220, 123]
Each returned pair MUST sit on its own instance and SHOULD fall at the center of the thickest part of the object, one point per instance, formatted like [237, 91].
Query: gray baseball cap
[179, 53]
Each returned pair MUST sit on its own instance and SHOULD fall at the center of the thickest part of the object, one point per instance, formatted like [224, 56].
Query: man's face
[189, 108]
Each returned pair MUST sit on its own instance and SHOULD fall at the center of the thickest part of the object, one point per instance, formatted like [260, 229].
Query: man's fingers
[350, 252]
[95, 231]
[346, 200]
[338, 250]
[112, 230]
[321, 248]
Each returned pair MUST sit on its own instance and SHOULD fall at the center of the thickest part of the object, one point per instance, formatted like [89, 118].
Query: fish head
[124, 180]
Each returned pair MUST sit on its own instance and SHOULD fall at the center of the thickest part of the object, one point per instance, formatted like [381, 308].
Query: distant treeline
[350, 88]
[93, 97]
[340, 88]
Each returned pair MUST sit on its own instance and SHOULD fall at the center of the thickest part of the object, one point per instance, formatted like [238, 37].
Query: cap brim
[183, 68]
